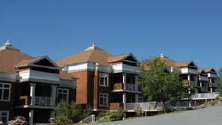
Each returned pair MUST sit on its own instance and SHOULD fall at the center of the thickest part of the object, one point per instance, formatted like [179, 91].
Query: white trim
[7, 115]
[67, 97]
[105, 97]
[3, 88]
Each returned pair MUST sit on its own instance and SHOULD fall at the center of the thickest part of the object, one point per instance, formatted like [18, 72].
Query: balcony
[129, 87]
[212, 75]
[37, 75]
[200, 96]
[188, 71]
[203, 78]
[192, 83]
[39, 101]
[144, 106]
[213, 84]
[125, 68]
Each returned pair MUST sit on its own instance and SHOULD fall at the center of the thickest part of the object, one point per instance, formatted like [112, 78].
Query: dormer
[38, 69]
[202, 75]
[211, 72]
[188, 67]
[124, 63]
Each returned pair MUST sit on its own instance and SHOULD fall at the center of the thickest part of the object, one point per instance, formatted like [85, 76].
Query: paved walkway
[205, 116]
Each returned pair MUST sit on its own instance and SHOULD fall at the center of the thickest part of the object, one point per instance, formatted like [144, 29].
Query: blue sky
[181, 29]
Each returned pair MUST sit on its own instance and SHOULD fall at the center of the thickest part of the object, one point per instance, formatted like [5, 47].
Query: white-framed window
[103, 99]
[103, 79]
[5, 91]
[63, 94]
[4, 115]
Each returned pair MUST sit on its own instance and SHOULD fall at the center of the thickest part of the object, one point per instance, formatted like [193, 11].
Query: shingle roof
[168, 61]
[207, 70]
[183, 64]
[27, 61]
[92, 53]
[65, 75]
[9, 57]
[118, 58]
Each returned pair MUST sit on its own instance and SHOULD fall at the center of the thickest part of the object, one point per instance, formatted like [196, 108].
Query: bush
[62, 120]
[109, 116]
[19, 120]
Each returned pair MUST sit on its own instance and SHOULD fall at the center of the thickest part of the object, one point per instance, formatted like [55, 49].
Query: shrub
[19, 120]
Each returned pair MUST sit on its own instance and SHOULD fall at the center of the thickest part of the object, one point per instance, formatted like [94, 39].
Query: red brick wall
[81, 89]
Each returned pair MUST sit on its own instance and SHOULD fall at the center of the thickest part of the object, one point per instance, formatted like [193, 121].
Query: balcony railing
[199, 96]
[145, 106]
[129, 87]
[193, 83]
[43, 101]
[39, 101]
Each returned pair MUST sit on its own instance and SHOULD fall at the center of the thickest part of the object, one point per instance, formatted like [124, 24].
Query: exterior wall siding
[81, 89]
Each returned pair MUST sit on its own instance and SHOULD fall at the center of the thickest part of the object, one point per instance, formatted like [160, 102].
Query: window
[4, 116]
[103, 99]
[63, 94]
[103, 79]
[5, 91]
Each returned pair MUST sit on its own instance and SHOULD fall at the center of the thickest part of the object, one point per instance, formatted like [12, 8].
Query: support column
[211, 84]
[188, 78]
[201, 84]
[124, 81]
[136, 85]
[136, 97]
[32, 93]
[53, 95]
[124, 101]
[31, 116]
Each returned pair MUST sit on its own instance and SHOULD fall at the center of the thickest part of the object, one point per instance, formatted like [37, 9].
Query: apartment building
[105, 81]
[202, 80]
[31, 86]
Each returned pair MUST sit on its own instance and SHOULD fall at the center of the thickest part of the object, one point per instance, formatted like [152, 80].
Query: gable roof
[121, 57]
[93, 53]
[32, 61]
[185, 64]
[9, 57]
[168, 61]
[208, 70]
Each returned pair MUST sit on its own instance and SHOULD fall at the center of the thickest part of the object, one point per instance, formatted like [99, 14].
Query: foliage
[109, 116]
[219, 81]
[161, 85]
[139, 111]
[18, 120]
[68, 113]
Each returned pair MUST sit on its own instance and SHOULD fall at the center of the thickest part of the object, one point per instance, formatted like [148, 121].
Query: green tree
[68, 113]
[219, 81]
[161, 85]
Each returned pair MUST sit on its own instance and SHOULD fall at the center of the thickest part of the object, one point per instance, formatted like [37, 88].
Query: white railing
[145, 106]
[199, 96]
[182, 105]
[43, 101]
[89, 119]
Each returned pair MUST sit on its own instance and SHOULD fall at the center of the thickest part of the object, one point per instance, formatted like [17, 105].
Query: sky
[184, 30]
